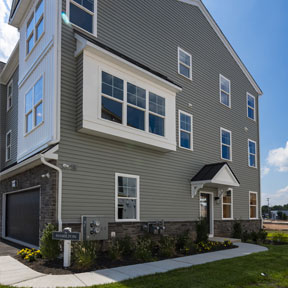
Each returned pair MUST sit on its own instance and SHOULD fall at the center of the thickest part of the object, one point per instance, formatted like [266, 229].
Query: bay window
[156, 114]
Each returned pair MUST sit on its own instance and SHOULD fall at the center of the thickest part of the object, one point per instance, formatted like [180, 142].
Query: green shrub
[85, 254]
[143, 249]
[166, 247]
[254, 236]
[127, 246]
[237, 230]
[262, 235]
[50, 249]
[189, 247]
[202, 231]
[279, 237]
[182, 240]
[245, 236]
[114, 250]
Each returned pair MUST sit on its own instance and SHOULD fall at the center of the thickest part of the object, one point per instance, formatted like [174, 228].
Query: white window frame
[10, 97]
[231, 205]
[179, 62]
[33, 109]
[125, 104]
[8, 156]
[256, 193]
[94, 14]
[256, 156]
[179, 130]
[254, 109]
[117, 175]
[220, 90]
[223, 129]
[35, 25]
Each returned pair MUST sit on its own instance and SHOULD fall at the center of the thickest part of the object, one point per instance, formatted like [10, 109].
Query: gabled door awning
[217, 175]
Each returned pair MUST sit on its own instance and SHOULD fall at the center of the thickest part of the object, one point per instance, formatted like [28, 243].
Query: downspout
[43, 160]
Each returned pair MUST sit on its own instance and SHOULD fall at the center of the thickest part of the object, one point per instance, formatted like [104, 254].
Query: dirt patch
[276, 226]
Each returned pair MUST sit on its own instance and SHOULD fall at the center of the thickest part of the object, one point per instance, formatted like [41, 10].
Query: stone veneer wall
[48, 187]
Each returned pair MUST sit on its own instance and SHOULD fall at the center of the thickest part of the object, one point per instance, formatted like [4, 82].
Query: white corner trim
[226, 43]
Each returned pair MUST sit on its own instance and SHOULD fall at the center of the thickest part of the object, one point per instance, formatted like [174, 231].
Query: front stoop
[17, 274]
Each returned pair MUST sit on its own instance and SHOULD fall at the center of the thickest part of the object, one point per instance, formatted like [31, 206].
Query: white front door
[206, 210]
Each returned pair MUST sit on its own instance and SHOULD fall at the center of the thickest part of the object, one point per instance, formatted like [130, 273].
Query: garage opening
[22, 216]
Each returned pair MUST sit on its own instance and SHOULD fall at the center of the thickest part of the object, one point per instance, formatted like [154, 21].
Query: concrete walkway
[8, 249]
[17, 274]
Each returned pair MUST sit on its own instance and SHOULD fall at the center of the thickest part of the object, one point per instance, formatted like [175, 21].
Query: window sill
[252, 167]
[230, 160]
[36, 43]
[191, 78]
[227, 219]
[187, 149]
[225, 105]
[126, 220]
[35, 128]
[8, 109]
[254, 120]
[83, 30]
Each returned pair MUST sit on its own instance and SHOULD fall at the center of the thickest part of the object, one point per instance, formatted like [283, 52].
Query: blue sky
[258, 31]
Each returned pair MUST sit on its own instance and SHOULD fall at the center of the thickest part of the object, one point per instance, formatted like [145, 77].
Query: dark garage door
[22, 216]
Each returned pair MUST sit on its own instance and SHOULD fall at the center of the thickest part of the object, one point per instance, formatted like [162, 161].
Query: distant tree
[279, 215]
[284, 217]
[265, 209]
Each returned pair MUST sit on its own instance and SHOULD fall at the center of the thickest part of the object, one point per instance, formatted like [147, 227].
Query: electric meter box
[94, 228]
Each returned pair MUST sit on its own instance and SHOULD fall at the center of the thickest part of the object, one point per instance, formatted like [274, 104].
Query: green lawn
[238, 272]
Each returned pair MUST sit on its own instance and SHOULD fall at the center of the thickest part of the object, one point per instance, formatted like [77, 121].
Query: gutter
[59, 208]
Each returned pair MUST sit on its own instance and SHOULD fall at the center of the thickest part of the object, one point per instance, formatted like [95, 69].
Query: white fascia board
[226, 43]
[85, 44]
[19, 13]
[10, 66]
[226, 183]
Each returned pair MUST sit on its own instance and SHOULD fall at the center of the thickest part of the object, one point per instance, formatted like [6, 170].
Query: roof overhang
[222, 180]
[222, 37]
[18, 10]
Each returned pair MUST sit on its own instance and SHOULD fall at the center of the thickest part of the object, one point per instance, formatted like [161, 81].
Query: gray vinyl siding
[150, 33]
[9, 121]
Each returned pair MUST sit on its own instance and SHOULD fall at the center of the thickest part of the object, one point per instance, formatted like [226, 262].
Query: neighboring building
[138, 111]
[278, 214]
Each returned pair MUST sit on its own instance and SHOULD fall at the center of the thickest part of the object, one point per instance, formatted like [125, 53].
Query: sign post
[67, 236]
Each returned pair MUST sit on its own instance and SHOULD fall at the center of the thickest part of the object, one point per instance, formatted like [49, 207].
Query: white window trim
[35, 24]
[34, 106]
[248, 94]
[232, 214]
[10, 96]
[179, 130]
[190, 67]
[220, 90]
[256, 193]
[137, 195]
[6, 146]
[256, 154]
[223, 129]
[125, 104]
[94, 14]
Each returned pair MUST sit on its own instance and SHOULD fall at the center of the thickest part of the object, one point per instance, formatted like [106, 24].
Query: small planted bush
[202, 231]
[85, 254]
[50, 249]
[189, 247]
[127, 246]
[115, 250]
[143, 249]
[237, 230]
[166, 246]
[182, 240]
[262, 235]
[30, 254]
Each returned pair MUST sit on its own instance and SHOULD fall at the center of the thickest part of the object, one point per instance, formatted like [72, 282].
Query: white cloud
[8, 34]
[279, 158]
[264, 171]
[279, 197]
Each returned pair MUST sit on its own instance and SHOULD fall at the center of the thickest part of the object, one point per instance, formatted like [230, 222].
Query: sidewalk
[17, 274]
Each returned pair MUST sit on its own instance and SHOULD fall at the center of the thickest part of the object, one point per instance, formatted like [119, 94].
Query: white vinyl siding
[253, 205]
[8, 145]
[184, 63]
[225, 91]
[185, 130]
[127, 202]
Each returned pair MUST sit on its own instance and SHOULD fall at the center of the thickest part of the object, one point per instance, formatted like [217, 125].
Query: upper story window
[131, 109]
[185, 130]
[127, 197]
[225, 91]
[227, 205]
[35, 26]
[251, 110]
[253, 211]
[82, 14]
[226, 144]
[184, 63]
[8, 145]
[252, 154]
[34, 106]
[9, 95]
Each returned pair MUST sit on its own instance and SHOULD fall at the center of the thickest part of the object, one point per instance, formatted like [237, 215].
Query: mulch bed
[103, 262]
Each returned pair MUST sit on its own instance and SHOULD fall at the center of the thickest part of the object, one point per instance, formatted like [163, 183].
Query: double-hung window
[35, 26]
[132, 109]
[127, 197]
[9, 95]
[225, 91]
[82, 14]
[251, 111]
[184, 63]
[8, 145]
[253, 212]
[226, 144]
[252, 153]
[34, 106]
[185, 130]
[227, 204]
